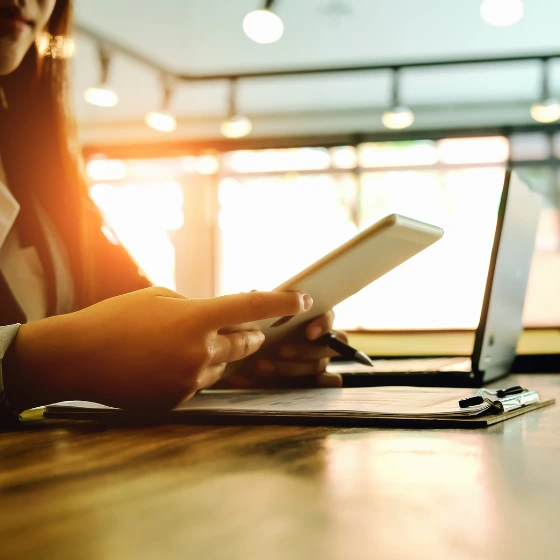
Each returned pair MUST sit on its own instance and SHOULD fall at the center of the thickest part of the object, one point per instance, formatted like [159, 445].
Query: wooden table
[79, 491]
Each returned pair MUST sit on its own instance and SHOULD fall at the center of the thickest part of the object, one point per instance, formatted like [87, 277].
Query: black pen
[345, 350]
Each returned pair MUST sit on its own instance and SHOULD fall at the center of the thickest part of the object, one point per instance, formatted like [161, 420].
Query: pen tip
[362, 358]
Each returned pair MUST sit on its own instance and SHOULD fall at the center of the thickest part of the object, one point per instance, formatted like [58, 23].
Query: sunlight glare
[141, 215]
[106, 169]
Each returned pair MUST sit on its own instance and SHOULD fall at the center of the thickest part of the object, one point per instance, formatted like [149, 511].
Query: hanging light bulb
[263, 26]
[236, 125]
[501, 12]
[102, 95]
[399, 116]
[163, 120]
[547, 110]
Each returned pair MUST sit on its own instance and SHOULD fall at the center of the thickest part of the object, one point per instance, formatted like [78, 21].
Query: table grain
[73, 490]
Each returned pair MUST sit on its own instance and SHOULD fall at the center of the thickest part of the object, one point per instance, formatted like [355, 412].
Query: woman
[149, 348]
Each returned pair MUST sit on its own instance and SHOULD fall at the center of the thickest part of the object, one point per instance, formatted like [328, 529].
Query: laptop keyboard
[404, 365]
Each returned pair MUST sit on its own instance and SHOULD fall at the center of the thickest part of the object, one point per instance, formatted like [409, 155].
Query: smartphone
[344, 272]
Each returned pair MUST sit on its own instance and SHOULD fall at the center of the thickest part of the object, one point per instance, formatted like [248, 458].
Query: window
[250, 219]
[270, 228]
[145, 204]
[294, 219]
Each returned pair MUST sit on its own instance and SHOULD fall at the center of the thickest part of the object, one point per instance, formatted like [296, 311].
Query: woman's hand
[300, 364]
[152, 348]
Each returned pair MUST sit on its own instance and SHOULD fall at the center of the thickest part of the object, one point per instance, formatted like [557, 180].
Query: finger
[304, 352]
[210, 375]
[254, 306]
[327, 379]
[319, 326]
[236, 346]
[270, 368]
[341, 335]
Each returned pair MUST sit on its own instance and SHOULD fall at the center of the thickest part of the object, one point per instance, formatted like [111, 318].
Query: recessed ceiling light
[501, 13]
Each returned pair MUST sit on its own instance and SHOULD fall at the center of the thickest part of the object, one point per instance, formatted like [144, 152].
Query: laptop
[500, 321]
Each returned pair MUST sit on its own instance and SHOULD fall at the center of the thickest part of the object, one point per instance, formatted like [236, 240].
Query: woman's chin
[10, 57]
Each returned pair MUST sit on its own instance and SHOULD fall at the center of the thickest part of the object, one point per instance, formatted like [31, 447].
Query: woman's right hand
[151, 348]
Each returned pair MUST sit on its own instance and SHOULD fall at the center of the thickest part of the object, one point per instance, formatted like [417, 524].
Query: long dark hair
[40, 153]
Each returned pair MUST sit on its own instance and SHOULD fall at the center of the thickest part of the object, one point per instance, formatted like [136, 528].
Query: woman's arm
[297, 364]
[152, 348]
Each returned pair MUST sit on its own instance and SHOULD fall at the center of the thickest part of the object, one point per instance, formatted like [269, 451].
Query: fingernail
[314, 333]
[307, 302]
[265, 366]
[260, 335]
[287, 352]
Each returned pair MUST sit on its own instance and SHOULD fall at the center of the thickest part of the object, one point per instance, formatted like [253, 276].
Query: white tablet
[346, 270]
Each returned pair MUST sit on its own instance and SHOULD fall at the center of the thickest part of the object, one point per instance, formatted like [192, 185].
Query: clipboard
[399, 407]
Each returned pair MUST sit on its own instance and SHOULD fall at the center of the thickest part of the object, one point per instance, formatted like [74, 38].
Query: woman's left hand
[300, 364]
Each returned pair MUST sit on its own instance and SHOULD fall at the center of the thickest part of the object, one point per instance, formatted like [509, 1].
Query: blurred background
[227, 149]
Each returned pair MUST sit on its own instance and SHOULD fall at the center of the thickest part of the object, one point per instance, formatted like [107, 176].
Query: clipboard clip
[502, 393]
[495, 406]
[502, 400]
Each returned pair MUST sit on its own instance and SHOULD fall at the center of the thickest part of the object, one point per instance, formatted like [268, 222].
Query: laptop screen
[508, 275]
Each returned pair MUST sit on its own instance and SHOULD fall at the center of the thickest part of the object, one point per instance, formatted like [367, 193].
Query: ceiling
[205, 37]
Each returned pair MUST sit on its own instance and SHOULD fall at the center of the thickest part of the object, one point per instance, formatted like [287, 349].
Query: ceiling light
[236, 125]
[398, 116]
[547, 110]
[102, 95]
[501, 12]
[163, 120]
[263, 26]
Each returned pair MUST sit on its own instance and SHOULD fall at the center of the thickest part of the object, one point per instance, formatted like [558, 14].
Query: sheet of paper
[401, 401]
[376, 401]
